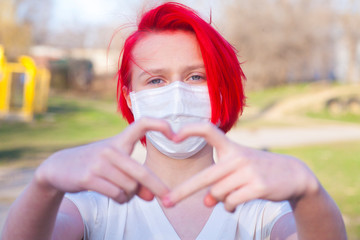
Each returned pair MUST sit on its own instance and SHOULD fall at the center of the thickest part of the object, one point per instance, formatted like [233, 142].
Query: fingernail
[209, 200]
[167, 202]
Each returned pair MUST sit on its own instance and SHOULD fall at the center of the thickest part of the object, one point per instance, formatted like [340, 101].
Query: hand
[106, 166]
[242, 174]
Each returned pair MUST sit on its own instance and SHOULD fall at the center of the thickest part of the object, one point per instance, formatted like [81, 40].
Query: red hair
[223, 71]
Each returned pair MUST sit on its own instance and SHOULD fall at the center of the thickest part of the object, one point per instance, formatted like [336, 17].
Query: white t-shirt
[138, 219]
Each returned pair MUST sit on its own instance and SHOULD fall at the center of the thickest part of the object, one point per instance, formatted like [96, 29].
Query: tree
[282, 40]
[350, 21]
[15, 37]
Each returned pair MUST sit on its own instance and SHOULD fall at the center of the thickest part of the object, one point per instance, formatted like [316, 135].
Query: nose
[176, 77]
[179, 103]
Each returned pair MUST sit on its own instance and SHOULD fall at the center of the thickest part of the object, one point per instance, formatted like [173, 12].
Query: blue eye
[155, 81]
[196, 77]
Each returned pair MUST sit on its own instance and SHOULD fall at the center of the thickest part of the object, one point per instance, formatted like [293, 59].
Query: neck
[175, 171]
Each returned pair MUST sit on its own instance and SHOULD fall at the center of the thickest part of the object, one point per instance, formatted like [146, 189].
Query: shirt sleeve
[271, 213]
[258, 217]
[92, 207]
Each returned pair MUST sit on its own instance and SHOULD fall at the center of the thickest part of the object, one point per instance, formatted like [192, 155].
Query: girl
[182, 84]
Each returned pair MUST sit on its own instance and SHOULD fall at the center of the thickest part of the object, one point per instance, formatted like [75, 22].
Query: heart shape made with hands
[241, 173]
[205, 178]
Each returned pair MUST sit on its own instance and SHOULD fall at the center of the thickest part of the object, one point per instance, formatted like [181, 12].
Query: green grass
[337, 167]
[260, 102]
[343, 117]
[68, 122]
[267, 97]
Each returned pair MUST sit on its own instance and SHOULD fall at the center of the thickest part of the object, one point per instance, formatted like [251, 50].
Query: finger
[223, 188]
[209, 200]
[108, 189]
[243, 194]
[135, 171]
[109, 172]
[137, 130]
[141, 174]
[145, 193]
[119, 179]
[200, 181]
[209, 131]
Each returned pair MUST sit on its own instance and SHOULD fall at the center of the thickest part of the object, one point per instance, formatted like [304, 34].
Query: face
[163, 58]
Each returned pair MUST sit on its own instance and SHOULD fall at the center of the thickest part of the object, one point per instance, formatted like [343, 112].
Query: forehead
[166, 48]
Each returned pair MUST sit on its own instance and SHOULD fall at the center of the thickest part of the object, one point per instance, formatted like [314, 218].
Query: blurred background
[58, 61]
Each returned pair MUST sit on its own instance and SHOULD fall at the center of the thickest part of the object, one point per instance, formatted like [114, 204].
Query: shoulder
[268, 208]
[89, 204]
[260, 216]
[96, 211]
[88, 198]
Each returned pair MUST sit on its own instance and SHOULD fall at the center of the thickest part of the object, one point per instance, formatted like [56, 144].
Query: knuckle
[231, 201]
[216, 193]
[132, 187]
[107, 153]
[119, 196]
[230, 204]
[85, 179]
[249, 170]
[97, 166]
[259, 186]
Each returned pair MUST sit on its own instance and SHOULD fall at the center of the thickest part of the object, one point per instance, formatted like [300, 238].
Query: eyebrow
[156, 71]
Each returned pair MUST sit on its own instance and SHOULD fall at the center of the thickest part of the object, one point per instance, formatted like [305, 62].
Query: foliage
[294, 41]
[280, 41]
[15, 37]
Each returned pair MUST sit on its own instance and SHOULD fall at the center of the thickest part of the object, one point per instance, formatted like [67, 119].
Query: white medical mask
[179, 104]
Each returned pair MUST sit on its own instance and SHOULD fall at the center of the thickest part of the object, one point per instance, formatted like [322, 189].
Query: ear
[126, 94]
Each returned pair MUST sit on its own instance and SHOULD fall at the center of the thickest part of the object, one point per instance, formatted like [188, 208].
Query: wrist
[42, 183]
[312, 189]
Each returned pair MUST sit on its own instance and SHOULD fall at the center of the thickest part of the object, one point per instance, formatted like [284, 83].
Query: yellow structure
[35, 90]
[4, 85]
